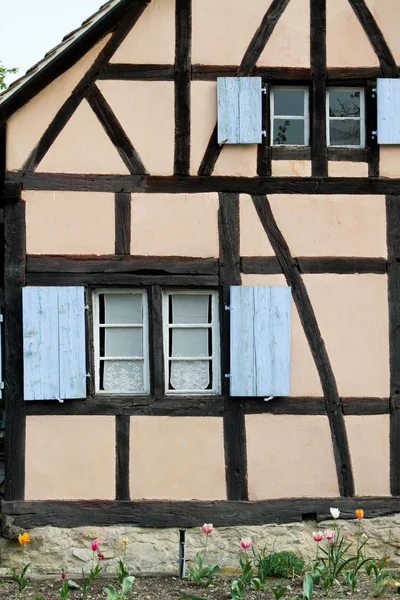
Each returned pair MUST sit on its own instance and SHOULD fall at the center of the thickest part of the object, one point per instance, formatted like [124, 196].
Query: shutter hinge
[227, 307]
[228, 376]
[87, 307]
[374, 134]
[59, 399]
[269, 398]
[374, 92]
[264, 90]
[1, 318]
[1, 385]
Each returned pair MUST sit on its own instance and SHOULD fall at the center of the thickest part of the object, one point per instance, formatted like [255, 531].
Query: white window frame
[361, 118]
[306, 116]
[145, 326]
[215, 328]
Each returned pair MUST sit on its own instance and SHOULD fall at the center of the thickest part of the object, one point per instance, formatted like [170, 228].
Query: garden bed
[172, 588]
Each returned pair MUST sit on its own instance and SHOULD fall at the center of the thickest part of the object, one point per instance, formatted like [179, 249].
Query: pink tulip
[95, 545]
[329, 534]
[245, 543]
[317, 536]
[207, 528]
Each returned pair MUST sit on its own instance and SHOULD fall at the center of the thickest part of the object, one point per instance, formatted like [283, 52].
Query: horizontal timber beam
[203, 184]
[341, 265]
[151, 265]
[97, 279]
[315, 406]
[152, 513]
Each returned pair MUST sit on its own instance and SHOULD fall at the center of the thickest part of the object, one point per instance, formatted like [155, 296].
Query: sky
[29, 28]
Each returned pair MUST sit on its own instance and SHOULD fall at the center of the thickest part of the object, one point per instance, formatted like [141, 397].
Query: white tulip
[335, 512]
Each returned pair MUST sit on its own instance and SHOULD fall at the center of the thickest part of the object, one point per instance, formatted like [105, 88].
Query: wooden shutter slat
[388, 99]
[239, 110]
[71, 306]
[41, 357]
[260, 341]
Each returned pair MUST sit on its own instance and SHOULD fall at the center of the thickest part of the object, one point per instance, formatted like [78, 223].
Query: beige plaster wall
[69, 222]
[352, 314]
[385, 12]
[331, 225]
[304, 379]
[290, 456]
[370, 454]
[289, 44]
[83, 147]
[70, 458]
[389, 165]
[223, 29]
[145, 110]
[237, 161]
[27, 125]
[203, 120]
[175, 224]
[347, 44]
[177, 458]
[347, 169]
[253, 239]
[291, 168]
[152, 39]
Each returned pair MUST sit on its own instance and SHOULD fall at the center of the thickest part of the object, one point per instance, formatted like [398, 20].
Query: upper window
[121, 341]
[191, 342]
[345, 117]
[289, 116]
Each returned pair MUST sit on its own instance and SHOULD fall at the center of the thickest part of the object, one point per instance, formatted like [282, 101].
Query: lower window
[191, 342]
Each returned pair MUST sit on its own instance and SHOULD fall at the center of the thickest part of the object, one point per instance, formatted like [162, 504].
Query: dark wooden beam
[128, 72]
[393, 244]
[156, 337]
[115, 132]
[318, 89]
[81, 90]
[376, 38]
[186, 185]
[278, 74]
[315, 406]
[183, 50]
[317, 346]
[120, 279]
[348, 154]
[366, 406]
[234, 424]
[153, 513]
[14, 280]
[290, 153]
[145, 265]
[122, 436]
[123, 224]
[323, 264]
[371, 113]
[166, 406]
[264, 167]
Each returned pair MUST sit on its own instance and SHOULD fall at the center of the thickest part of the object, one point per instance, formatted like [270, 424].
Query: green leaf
[308, 586]
[111, 592]
[73, 585]
[127, 584]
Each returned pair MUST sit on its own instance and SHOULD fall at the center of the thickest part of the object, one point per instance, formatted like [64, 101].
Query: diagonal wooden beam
[115, 132]
[245, 69]
[376, 38]
[309, 321]
[82, 89]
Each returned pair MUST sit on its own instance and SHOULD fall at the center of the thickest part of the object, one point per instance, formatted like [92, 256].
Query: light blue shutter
[54, 343]
[239, 110]
[388, 98]
[260, 341]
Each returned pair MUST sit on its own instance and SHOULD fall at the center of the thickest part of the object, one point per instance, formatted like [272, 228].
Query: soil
[172, 588]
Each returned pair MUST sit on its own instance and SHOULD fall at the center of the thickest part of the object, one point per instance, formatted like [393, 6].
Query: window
[289, 116]
[345, 117]
[121, 341]
[191, 342]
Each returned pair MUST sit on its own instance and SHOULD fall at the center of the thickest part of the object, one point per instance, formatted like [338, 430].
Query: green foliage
[122, 572]
[113, 594]
[201, 572]
[63, 592]
[86, 581]
[237, 589]
[335, 561]
[20, 579]
[379, 575]
[280, 589]
[3, 73]
[277, 564]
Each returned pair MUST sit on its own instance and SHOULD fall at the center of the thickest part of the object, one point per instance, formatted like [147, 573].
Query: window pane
[123, 308]
[190, 343]
[344, 104]
[289, 103]
[346, 132]
[187, 375]
[123, 376]
[124, 342]
[190, 309]
[289, 132]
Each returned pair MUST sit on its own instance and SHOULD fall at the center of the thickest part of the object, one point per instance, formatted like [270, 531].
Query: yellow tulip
[24, 538]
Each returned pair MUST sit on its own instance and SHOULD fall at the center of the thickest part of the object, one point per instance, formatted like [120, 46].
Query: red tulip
[329, 534]
[317, 536]
[245, 543]
[63, 576]
[100, 556]
[207, 528]
[95, 545]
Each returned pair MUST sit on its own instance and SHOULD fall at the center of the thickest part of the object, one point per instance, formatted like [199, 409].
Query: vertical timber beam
[264, 166]
[319, 153]
[234, 420]
[308, 319]
[156, 335]
[122, 435]
[393, 244]
[372, 126]
[14, 280]
[183, 66]
[122, 223]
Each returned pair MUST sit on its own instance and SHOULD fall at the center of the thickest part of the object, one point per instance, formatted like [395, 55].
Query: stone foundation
[155, 551]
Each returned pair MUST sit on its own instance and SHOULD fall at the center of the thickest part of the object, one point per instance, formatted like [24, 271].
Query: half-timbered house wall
[114, 179]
